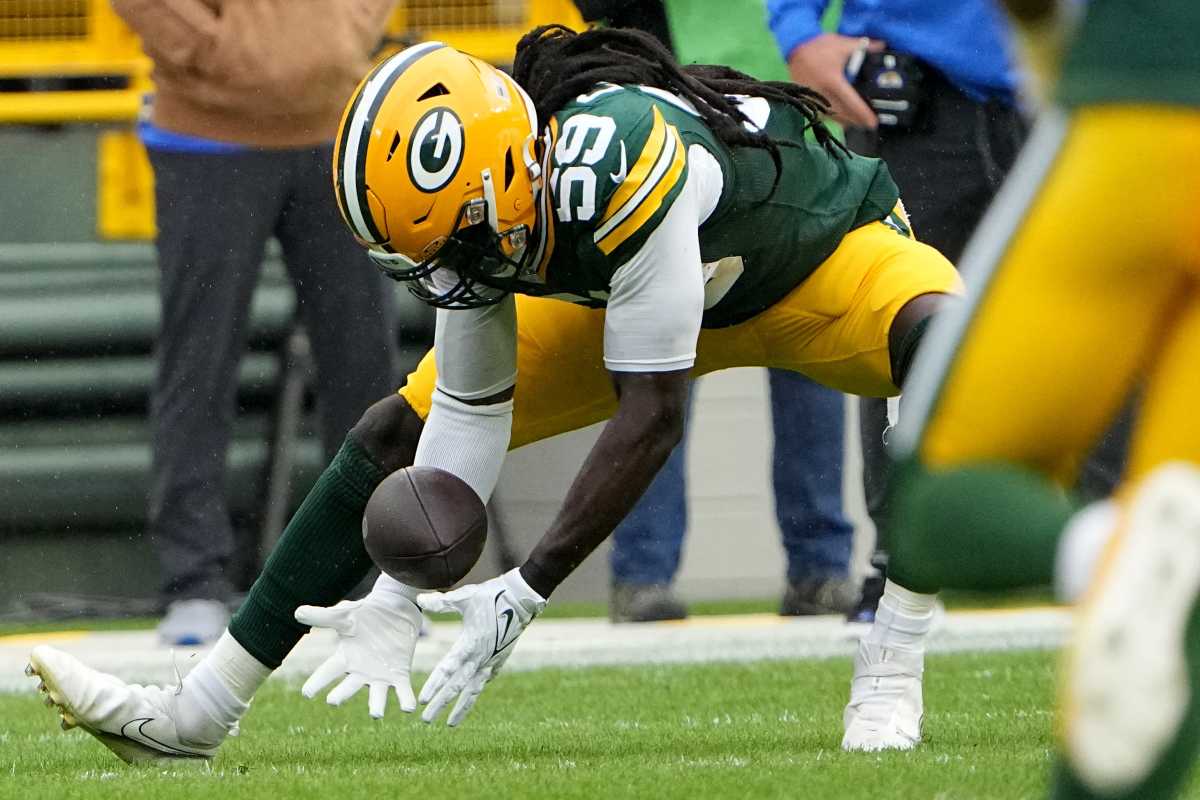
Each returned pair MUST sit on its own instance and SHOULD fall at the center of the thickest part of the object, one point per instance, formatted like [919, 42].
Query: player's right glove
[494, 614]
[376, 637]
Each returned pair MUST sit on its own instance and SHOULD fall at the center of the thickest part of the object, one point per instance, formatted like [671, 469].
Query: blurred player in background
[657, 222]
[1085, 278]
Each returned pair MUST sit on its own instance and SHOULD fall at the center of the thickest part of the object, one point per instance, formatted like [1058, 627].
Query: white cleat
[885, 708]
[135, 722]
[1127, 687]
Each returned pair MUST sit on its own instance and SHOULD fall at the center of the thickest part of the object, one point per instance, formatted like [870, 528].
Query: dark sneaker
[644, 602]
[818, 596]
[868, 600]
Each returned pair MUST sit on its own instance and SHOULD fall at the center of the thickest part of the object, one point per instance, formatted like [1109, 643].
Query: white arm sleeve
[656, 298]
[475, 349]
[476, 355]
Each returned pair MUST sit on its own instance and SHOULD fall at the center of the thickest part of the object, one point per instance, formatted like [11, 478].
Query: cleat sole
[1127, 682]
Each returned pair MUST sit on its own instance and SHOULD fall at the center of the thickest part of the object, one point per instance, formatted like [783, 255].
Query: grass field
[573, 610]
[769, 729]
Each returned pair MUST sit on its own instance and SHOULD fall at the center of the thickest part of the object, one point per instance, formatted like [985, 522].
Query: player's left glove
[376, 637]
[494, 613]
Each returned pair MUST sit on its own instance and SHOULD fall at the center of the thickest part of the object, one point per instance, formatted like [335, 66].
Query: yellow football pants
[833, 327]
[1097, 292]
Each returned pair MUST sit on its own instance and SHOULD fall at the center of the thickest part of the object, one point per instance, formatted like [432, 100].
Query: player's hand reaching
[494, 613]
[376, 639]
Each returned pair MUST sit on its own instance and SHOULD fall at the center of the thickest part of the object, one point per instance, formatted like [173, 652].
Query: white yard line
[578, 643]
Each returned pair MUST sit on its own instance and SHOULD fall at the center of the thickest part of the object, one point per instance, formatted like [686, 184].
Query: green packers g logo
[435, 149]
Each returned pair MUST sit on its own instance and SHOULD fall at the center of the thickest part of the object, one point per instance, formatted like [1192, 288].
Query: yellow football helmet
[435, 171]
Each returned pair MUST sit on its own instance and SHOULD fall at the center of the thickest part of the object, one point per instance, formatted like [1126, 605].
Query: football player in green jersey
[593, 233]
[1066, 320]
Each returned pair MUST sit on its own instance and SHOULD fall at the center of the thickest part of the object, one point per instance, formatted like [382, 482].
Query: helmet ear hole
[510, 169]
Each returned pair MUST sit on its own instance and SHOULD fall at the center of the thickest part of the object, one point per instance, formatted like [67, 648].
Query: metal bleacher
[79, 307]
[77, 328]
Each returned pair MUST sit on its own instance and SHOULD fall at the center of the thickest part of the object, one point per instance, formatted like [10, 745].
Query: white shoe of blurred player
[1127, 685]
[885, 708]
[138, 723]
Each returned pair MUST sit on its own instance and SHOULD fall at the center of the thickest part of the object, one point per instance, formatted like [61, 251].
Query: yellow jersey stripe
[673, 161]
[641, 169]
[642, 188]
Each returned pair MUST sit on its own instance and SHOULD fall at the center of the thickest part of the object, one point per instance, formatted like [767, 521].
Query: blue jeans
[807, 473]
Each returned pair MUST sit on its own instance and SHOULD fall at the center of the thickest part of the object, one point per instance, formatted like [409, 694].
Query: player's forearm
[629, 453]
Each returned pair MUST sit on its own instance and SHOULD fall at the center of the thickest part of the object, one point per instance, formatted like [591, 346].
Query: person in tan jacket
[248, 94]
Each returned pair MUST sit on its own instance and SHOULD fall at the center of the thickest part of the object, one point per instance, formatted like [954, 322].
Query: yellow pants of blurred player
[833, 327]
[1096, 293]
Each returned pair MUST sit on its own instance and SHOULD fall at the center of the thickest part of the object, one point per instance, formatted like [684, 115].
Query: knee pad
[389, 431]
[901, 355]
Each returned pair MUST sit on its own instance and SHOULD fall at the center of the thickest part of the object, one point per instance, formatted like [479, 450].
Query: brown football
[424, 527]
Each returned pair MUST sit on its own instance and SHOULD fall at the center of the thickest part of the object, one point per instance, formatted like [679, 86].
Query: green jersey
[617, 158]
[1134, 52]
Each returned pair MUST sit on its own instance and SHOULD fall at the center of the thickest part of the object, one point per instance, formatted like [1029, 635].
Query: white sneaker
[1127, 688]
[135, 722]
[885, 708]
[192, 623]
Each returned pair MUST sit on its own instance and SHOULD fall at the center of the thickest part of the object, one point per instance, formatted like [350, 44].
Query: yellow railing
[488, 29]
[85, 39]
[42, 39]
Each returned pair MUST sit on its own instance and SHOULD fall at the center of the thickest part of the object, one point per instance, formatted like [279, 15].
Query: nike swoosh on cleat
[146, 739]
[620, 174]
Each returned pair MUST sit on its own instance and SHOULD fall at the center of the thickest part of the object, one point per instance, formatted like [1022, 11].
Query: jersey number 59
[584, 141]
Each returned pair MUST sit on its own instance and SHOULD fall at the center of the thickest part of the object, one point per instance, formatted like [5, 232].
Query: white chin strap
[489, 196]
[493, 218]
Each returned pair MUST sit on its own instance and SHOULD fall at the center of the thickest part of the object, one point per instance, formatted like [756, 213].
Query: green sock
[319, 558]
[985, 526]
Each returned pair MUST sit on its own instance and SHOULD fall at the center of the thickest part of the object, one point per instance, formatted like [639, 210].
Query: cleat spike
[41, 687]
[48, 701]
[30, 671]
[68, 722]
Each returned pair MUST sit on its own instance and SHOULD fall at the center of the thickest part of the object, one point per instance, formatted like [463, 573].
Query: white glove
[494, 614]
[376, 639]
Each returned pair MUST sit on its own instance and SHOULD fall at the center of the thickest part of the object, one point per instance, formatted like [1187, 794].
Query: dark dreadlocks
[554, 64]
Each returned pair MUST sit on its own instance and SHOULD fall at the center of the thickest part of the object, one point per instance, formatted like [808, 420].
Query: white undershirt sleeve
[476, 355]
[475, 349]
[656, 298]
